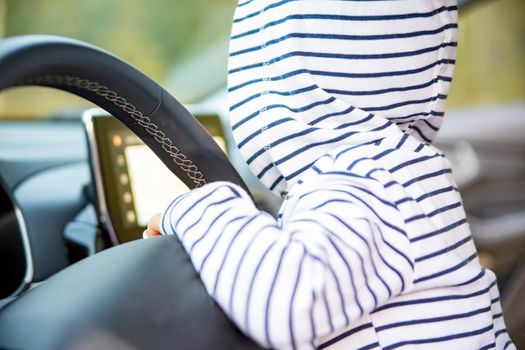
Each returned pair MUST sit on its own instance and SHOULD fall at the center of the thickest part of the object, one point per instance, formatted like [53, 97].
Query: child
[333, 105]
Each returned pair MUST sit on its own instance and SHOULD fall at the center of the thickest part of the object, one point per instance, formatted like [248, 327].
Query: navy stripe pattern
[333, 104]
[343, 72]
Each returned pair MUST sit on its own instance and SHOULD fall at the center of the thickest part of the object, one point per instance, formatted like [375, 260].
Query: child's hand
[153, 229]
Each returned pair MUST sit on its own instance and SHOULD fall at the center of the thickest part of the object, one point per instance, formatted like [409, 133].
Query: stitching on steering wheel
[191, 170]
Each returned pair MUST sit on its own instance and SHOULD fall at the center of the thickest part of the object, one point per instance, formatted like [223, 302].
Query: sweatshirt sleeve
[333, 261]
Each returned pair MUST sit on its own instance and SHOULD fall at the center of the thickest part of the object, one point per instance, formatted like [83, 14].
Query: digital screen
[153, 186]
[135, 183]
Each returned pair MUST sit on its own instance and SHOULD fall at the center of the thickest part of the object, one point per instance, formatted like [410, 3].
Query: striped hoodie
[333, 105]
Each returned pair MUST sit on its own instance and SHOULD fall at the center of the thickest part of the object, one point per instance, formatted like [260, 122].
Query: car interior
[78, 305]
[75, 272]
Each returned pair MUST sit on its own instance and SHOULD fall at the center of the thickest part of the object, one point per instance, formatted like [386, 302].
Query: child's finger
[153, 227]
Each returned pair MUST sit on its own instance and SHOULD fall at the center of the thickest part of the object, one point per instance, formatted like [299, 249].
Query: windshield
[183, 45]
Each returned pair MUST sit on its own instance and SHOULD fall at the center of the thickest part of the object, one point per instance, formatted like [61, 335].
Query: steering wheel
[140, 295]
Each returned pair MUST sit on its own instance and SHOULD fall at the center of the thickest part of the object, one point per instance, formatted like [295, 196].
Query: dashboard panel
[48, 219]
[43, 165]
[132, 184]
[45, 169]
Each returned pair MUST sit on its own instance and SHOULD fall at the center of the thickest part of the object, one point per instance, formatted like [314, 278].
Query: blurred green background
[183, 45]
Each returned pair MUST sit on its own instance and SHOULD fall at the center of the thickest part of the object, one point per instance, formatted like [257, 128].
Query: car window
[183, 45]
[489, 68]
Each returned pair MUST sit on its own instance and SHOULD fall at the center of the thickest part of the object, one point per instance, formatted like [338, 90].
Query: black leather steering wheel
[142, 105]
[140, 295]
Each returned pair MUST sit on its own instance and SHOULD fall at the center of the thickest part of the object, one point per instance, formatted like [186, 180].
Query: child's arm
[287, 287]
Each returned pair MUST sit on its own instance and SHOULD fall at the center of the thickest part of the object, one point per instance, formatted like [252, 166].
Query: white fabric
[333, 102]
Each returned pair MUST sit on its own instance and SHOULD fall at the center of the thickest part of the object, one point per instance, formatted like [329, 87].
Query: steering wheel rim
[102, 78]
[108, 299]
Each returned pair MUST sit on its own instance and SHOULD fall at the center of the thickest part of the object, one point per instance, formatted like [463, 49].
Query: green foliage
[152, 34]
[183, 43]
[491, 54]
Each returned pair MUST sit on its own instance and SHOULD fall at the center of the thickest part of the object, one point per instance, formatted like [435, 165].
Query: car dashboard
[50, 215]
[43, 165]
[48, 202]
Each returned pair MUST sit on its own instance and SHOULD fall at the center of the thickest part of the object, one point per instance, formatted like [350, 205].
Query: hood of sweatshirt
[308, 76]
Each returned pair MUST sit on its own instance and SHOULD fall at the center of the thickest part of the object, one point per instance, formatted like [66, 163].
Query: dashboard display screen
[132, 182]
[152, 185]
